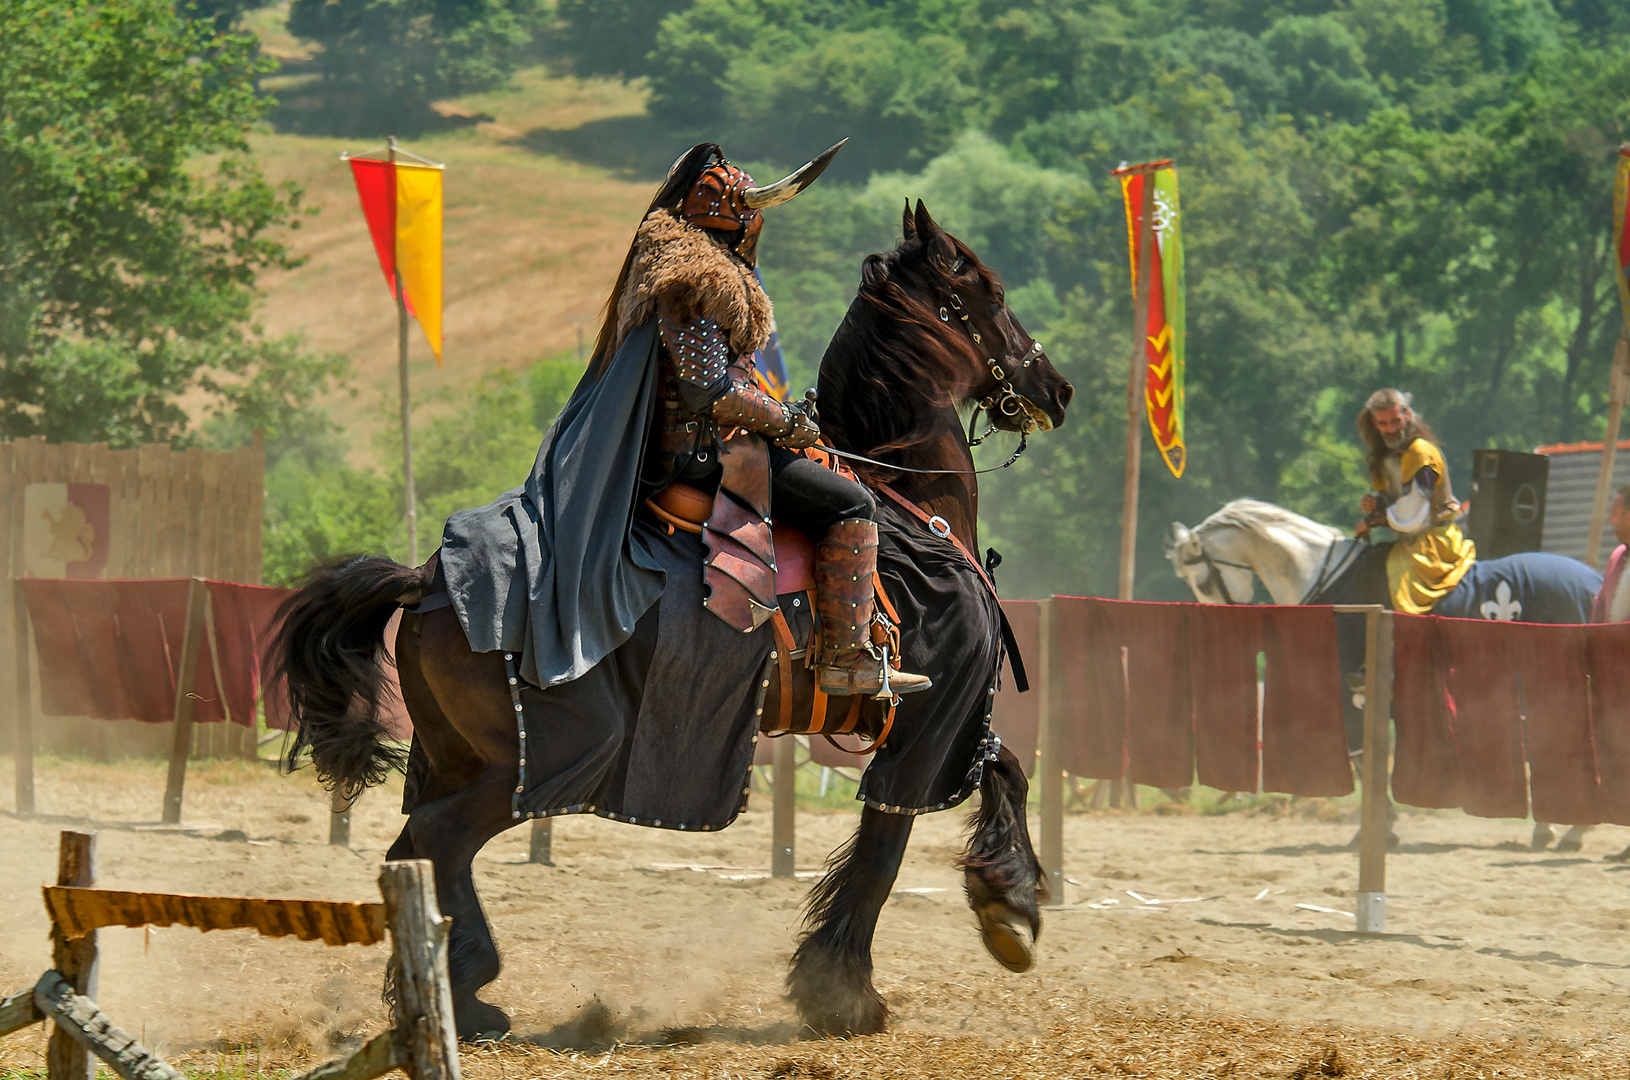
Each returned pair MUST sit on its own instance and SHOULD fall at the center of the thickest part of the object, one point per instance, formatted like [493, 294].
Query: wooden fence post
[339, 818]
[22, 730]
[543, 842]
[1376, 805]
[75, 959]
[1050, 765]
[186, 686]
[784, 813]
[424, 1005]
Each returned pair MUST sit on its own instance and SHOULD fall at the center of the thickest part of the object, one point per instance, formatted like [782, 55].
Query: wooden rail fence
[422, 1042]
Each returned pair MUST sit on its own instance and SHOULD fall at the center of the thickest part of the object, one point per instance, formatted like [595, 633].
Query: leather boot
[845, 561]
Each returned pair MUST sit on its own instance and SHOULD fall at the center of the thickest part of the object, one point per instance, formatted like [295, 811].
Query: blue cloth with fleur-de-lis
[1531, 586]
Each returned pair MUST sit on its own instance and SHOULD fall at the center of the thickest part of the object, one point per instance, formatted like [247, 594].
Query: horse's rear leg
[831, 976]
[464, 719]
[1000, 870]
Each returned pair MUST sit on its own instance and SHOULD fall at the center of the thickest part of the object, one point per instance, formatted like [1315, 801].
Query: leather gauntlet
[746, 406]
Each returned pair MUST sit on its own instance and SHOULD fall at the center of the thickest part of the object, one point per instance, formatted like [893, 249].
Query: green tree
[134, 217]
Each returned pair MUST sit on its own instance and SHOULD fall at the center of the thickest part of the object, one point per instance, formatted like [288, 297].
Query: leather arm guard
[712, 386]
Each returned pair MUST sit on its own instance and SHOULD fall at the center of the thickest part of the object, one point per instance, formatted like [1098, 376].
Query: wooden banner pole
[186, 691]
[1618, 385]
[1136, 380]
[409, 497]
[1375, 807]
[22, 731]
[1050, 763]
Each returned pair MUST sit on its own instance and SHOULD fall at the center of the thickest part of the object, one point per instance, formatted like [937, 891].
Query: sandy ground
[1500, 961]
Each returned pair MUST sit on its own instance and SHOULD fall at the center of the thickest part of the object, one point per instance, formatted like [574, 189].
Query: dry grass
[1103, 1039]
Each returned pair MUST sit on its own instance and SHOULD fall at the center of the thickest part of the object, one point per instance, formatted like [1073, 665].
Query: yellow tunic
[1424, 567]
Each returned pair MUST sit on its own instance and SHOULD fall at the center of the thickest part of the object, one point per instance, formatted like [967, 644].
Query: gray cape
[553, 571]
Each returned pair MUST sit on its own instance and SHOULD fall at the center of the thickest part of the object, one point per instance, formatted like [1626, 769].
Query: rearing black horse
[928, 332]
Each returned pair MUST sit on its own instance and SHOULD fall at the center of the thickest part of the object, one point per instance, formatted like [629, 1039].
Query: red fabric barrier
[1016, 717]
[1093, 686]
[1157, 707]
[1223, 643]
[1485, 658]
[244, 625]
[1426, 766]
[1304, 743]
[112, 649]
[1607, 658]
[1557, 726]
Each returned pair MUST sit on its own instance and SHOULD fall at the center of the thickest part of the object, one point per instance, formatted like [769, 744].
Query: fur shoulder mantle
[679, 264]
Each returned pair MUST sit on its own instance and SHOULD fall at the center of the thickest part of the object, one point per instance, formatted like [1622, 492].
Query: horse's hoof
[1566, 844]
[1541, 839]
[477, 1021]
[1623, 856]
[1002, 941]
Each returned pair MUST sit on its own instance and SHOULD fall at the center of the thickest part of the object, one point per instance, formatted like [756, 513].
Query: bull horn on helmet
[784, 189]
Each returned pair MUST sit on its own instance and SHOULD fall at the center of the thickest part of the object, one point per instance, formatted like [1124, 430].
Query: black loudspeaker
[1508, 502]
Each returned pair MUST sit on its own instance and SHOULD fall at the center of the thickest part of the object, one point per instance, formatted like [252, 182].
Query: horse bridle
[1004, 399]
[1326, 576]
[1214, 576]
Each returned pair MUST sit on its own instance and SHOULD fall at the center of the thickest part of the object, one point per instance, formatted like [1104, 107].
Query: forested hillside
[1404, 192]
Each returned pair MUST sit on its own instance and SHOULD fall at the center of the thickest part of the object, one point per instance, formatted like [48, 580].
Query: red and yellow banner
[1163, 331]
[402, 202]
[1621, 228]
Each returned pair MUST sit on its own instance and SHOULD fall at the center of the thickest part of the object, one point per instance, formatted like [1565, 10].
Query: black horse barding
[897, 370]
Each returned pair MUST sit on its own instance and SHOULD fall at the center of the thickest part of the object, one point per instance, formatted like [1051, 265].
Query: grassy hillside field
[541, 199]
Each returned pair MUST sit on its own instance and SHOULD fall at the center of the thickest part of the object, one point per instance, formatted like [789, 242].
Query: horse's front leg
[831, 976]
[1000, 870]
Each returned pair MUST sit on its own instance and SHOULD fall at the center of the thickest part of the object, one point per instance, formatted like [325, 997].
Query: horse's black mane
[893, 366]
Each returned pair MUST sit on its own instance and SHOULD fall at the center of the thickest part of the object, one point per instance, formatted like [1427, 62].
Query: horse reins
[1004, 399]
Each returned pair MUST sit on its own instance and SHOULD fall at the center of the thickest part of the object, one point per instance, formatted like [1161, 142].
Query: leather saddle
[759, 571]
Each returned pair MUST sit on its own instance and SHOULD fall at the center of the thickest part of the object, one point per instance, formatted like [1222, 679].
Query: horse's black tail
[329, 657]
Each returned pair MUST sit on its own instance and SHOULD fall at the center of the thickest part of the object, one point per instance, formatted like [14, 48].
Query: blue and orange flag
[1163, 333]
[402, 202]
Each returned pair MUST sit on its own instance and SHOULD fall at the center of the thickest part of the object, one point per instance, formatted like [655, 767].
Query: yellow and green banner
[1163, 330]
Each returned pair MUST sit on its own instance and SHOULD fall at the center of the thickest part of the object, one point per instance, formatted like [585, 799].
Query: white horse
[1298, 561]
[1295, 557]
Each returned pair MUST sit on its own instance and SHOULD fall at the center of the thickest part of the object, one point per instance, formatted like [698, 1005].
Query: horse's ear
[925, 226]
[941, 250]
[874, 270]
[908, 225]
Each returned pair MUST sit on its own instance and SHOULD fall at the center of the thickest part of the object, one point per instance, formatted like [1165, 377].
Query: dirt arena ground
[1500, 961]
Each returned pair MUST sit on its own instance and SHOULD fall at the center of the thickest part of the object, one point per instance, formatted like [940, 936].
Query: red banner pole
[1137, 378]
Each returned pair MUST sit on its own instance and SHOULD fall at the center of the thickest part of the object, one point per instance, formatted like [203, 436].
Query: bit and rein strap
[1327, 576]
[1005, 399]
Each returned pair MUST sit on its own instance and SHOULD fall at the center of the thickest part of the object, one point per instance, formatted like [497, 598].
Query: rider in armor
[1412, 497]
[691, 267]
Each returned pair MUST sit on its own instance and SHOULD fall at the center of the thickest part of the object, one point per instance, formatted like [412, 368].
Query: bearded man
[1412, 496]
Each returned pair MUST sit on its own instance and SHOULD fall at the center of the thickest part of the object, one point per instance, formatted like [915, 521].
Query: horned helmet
[723, 198]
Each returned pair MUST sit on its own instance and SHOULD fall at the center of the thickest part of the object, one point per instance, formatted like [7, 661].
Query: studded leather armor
[706, 389]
